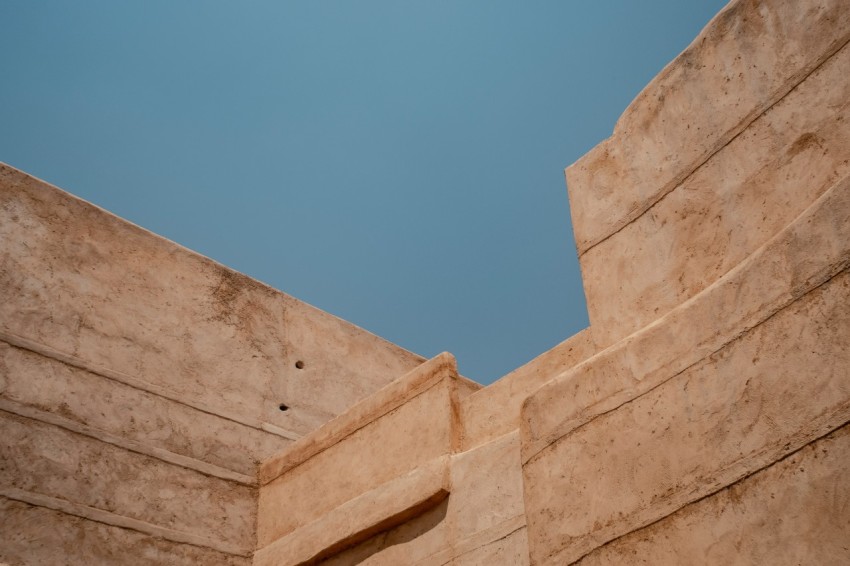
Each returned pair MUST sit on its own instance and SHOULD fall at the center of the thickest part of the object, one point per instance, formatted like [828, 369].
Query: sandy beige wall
[44, 388]
[391, 455]
[749, 57]
[494, 410]
[407, 437]
[713, 237]
[140, 383]
[42, 463]
[85, 284]
[482, 521]
[396, 448]
[743, 195]
[793, 512]
[725, 147]
[411, 543]
[765, 394]
[34, 534]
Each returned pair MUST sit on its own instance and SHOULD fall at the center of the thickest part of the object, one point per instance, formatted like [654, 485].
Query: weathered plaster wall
[793, 512]
[725, 147]
[701, 419]
[140, 383]
[93, 287]
[410, 492]
[494, 411]
[714, 238]
[714, 233]
[39, 535]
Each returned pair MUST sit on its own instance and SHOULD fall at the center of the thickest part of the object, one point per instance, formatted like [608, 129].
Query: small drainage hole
[299, 364]
[283, 407]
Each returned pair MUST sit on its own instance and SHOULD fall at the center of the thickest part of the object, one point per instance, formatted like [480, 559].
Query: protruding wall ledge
[771, 375]
[816, 245]
[386, 399]
[409, 425]
[749, 57]
[494, 411]
[377, 510]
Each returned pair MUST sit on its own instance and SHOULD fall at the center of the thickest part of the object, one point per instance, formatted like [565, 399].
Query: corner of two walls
[141, 383]
[712, 235]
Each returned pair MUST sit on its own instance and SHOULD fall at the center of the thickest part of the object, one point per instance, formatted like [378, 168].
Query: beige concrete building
[159, 408]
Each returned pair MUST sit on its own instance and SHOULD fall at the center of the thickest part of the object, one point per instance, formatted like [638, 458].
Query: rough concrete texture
[748, 58]
[702, 418]
[793, 512]
[35, 534]
[727, 208]
[773, 389]
[106, 294]
[378, 451]
[141, 384]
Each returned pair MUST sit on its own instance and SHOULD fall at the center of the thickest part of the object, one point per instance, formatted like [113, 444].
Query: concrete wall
[702, 415]
[730, 143]
[702, 418]
[792, 512]
[141, 384]
[714, 239]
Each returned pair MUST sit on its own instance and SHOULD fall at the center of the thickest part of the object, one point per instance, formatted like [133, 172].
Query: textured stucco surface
[771, 391]
[38, 535]
[54, 389]
[793, 512]
[702, 418]
[806, 254]
[141, 383]
[494, 411]
[372, 455]
[44, 459]
[714, 238]
[97, 288]
[728, 207]
[746, 59]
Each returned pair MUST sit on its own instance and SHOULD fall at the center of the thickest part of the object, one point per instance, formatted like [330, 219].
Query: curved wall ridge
[714, 237]
[724, 148]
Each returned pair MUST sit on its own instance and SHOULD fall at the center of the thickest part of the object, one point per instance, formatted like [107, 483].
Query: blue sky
[398, 164]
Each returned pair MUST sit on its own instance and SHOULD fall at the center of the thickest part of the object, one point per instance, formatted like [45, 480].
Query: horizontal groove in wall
[475, 541]
[775, 98]
[116, 520]
[136, 383]
[126, 443]
[834, 263]
[796, 449]
[723, 474]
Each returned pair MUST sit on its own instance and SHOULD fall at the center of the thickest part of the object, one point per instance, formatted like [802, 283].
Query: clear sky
[398, 164]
